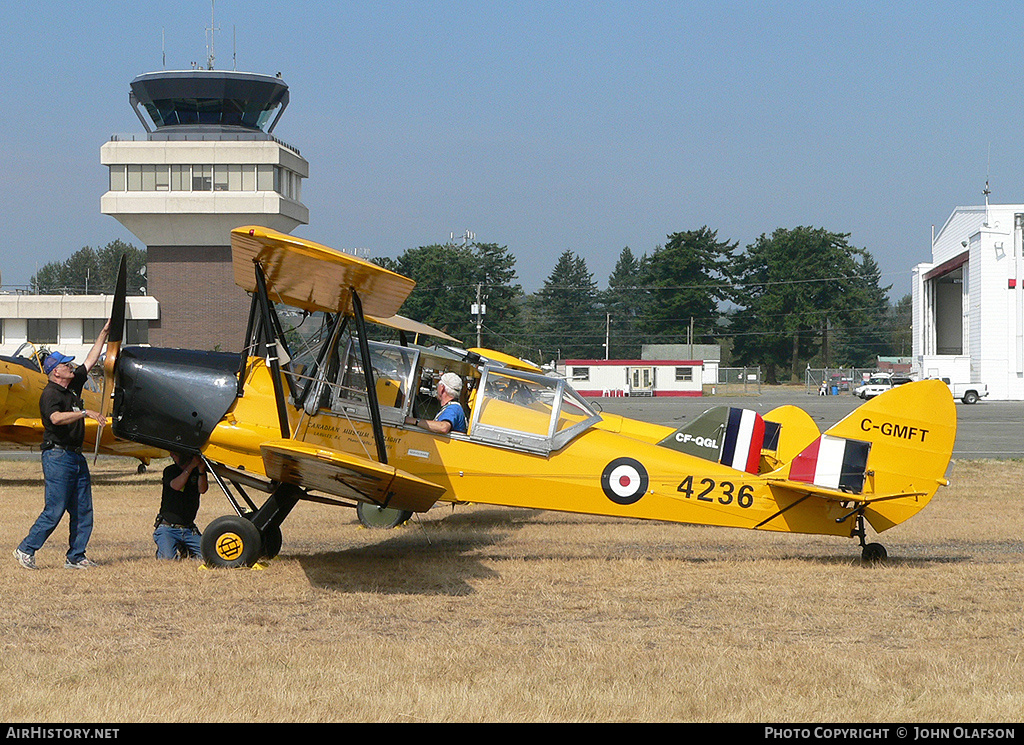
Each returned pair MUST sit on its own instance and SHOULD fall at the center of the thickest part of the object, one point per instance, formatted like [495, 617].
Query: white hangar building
[968, 302]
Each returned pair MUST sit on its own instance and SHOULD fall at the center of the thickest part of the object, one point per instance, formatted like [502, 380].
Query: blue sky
[545, 126]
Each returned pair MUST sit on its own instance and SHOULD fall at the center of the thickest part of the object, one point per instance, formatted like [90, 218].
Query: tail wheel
[230, 542]
[870, 553]
[873, 553]
[373, 516]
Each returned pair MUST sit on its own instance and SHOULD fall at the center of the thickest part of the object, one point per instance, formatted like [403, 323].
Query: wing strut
[371, 384]
[244, 356]
[272, 359]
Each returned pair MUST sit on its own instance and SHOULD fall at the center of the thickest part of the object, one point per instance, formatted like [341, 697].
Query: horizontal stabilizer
[726, 435]
[349, 476]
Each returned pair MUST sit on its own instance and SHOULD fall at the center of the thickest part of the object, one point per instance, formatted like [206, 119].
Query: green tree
[866, 334]
[567, 322]
[900, 327]
[448, 280]
[686, 281]
[797, 289]
[93, 271]
[625, 303]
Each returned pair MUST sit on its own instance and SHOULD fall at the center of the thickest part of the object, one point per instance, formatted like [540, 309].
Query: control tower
[206, 163]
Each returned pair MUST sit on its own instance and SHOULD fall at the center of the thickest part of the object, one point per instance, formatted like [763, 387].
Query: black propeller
[115, 334]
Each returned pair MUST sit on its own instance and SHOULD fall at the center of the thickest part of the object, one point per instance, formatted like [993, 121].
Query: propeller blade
[115, 334]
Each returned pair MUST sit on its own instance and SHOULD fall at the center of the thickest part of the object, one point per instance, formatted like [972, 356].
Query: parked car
[969, 393]
[879, 383]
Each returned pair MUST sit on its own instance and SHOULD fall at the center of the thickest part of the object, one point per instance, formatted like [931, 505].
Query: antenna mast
[211, 31]
[986, 191]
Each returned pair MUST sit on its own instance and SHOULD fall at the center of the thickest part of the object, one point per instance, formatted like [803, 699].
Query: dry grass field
[483, 614]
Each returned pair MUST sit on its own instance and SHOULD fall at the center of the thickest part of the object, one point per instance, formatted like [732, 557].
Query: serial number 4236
[724, 492]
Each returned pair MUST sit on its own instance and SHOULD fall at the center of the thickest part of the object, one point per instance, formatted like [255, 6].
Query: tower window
[202, 178]
[236, 177]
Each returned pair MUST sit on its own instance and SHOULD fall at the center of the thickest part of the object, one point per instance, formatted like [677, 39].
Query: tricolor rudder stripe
[744, 433]
[833, 463]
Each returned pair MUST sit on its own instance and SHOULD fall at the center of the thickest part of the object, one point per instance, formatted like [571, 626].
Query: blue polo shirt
[453, 413]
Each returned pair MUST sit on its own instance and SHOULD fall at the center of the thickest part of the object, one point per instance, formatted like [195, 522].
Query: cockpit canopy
[504, 407]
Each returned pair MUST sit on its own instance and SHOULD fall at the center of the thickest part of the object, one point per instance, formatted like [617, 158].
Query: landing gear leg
[870, 553]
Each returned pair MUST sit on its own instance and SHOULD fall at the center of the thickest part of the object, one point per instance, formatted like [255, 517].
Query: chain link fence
[836, 380]
[735, 381]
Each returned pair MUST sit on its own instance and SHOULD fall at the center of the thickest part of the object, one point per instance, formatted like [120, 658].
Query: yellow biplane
[314, 409]
[21, 382]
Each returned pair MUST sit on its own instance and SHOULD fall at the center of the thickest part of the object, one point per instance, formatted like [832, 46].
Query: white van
[879, 383]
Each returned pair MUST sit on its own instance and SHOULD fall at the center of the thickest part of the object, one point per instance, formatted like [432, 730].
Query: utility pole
[607, 332]
[478, 309]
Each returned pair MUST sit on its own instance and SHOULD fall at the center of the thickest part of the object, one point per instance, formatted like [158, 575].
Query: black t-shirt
[56, 398]
[179, 507]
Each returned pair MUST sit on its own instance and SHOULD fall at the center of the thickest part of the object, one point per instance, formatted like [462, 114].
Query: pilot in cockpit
[451, 417]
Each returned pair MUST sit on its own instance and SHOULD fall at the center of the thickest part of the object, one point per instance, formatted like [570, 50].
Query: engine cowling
[172, 398]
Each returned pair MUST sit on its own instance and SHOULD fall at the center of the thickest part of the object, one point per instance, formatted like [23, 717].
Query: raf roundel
[624, 480]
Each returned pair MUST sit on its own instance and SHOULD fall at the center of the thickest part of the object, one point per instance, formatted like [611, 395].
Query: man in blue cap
[65, 469]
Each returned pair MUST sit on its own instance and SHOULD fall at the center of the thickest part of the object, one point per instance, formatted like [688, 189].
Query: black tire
[971, 397]
[231, 541]
[380, 518]
[272, 541]
[873, 553]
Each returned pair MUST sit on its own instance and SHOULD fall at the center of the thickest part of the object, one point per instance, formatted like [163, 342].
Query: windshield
[528, 411]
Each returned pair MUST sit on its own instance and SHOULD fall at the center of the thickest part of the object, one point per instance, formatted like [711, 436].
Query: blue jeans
[68, 489]
[173, 543]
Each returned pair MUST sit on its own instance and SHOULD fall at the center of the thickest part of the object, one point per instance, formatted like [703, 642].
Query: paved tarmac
[987, 429]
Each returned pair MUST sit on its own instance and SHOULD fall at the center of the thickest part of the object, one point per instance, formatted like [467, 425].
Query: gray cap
[452, 382]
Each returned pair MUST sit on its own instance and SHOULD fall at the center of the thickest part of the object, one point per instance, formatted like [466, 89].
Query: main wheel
[372, 516]
[272, 541]
[231, 541]
[970, 397]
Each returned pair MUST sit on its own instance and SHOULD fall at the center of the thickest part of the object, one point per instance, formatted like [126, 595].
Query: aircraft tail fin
[788, 430]
[726, 435]
[891, 454]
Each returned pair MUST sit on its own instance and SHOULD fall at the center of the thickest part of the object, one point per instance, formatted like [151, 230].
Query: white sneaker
[28, 561]
[83, 564]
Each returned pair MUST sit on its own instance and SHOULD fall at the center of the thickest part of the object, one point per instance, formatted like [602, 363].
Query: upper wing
[313, 277]
[345, 475]
[401, 323]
